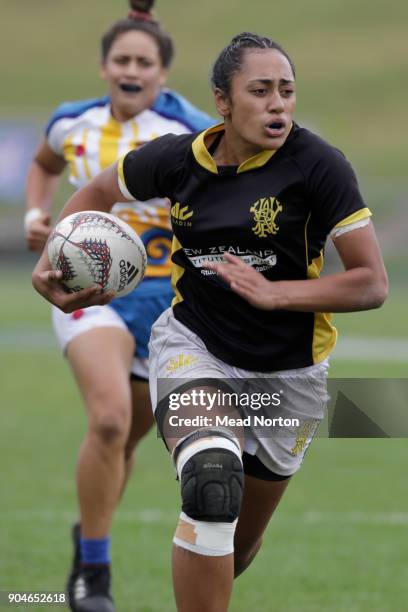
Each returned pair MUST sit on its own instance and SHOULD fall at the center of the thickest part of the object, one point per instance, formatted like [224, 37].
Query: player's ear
[102, 71]
[222, 102]
[163, 76]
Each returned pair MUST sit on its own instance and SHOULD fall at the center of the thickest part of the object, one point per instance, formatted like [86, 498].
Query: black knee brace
[212, 483]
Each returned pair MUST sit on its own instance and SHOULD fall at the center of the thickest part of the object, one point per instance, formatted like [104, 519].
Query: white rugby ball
[92, 247]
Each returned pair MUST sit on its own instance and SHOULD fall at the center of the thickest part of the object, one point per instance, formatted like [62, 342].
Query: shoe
[91, 590]
[76, 562]
[88, 587]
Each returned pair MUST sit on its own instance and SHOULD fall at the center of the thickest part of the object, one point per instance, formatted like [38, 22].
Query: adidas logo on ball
[127, 273]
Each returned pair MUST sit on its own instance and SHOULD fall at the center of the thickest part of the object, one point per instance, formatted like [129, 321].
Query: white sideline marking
[355, 348]
[27, 339]
[140, 516]
[360, 518]
[360, 348]
[156, 516]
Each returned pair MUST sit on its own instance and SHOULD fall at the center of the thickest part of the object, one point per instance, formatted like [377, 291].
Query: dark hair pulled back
[230, 59]
[140, 19]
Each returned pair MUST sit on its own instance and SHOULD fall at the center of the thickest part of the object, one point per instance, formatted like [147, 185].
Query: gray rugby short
[281, 411]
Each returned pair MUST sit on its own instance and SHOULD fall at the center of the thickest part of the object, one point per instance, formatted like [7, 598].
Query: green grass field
[338, 540]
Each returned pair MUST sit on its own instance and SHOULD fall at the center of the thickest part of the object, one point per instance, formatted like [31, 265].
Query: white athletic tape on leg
[213, 442]
[204, 538]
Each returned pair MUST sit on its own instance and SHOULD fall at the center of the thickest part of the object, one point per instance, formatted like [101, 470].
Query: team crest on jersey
[181, 215]
[265, 212]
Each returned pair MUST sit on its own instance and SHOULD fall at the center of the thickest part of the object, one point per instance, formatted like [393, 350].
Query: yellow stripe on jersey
[176, 273]
[121, 175]
[204, 158]
[111, 133]
[69, 154]
[200, 151]
[324, 333]
[306, 241]
[84, 157]
[135, 128]
[363, 213]
[256, 161]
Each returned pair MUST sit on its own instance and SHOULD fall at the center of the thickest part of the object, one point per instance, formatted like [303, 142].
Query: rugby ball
[92, 247]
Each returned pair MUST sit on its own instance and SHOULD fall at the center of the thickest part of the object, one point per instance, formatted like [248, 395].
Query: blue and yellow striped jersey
[86, 135]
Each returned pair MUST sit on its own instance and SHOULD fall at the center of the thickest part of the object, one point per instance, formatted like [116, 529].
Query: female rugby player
[107, 345]
[253, 201]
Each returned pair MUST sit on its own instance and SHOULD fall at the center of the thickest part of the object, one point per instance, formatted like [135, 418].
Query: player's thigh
[260, 499]
[186, 383]
[142, 413]
[189, 418]
[100, 359]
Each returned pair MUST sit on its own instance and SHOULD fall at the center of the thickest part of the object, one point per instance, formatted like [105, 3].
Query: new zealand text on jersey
[262, 257]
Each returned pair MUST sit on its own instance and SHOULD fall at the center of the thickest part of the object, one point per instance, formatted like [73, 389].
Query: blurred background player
[271, 192]
[107, 345]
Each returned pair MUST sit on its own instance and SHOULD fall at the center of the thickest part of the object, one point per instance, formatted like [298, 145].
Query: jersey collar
[205, 160]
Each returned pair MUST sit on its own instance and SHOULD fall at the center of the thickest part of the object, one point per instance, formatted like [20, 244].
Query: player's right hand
[49, 284]
[37, 232]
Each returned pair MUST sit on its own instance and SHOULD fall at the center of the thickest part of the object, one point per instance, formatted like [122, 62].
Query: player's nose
[132, 69]
[275, 102]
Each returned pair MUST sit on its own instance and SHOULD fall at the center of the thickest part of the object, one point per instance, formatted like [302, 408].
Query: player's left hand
[49, 284]
[248, 283]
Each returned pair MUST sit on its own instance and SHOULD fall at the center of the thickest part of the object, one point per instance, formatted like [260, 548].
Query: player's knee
[110, 428]
[211, 485]
[211, 477]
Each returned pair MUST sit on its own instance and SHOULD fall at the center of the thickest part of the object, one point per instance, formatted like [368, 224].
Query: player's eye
[145, 63]
[122, 60]
[287, 93]
[260, 91]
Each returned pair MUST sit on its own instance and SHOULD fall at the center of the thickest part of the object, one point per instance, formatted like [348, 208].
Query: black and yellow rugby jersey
[274, 211]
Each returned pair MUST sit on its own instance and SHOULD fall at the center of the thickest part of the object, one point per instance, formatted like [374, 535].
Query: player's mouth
[275, 129]
[132, 88]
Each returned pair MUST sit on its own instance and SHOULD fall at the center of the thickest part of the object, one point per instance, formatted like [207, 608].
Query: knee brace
[210, 471]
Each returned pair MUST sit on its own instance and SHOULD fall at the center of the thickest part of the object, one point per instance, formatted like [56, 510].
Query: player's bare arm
[42, 183]
[362, 286]
[100, 194]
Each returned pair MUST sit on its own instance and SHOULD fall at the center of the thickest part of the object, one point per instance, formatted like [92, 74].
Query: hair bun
[141, 6]
[140, 10]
